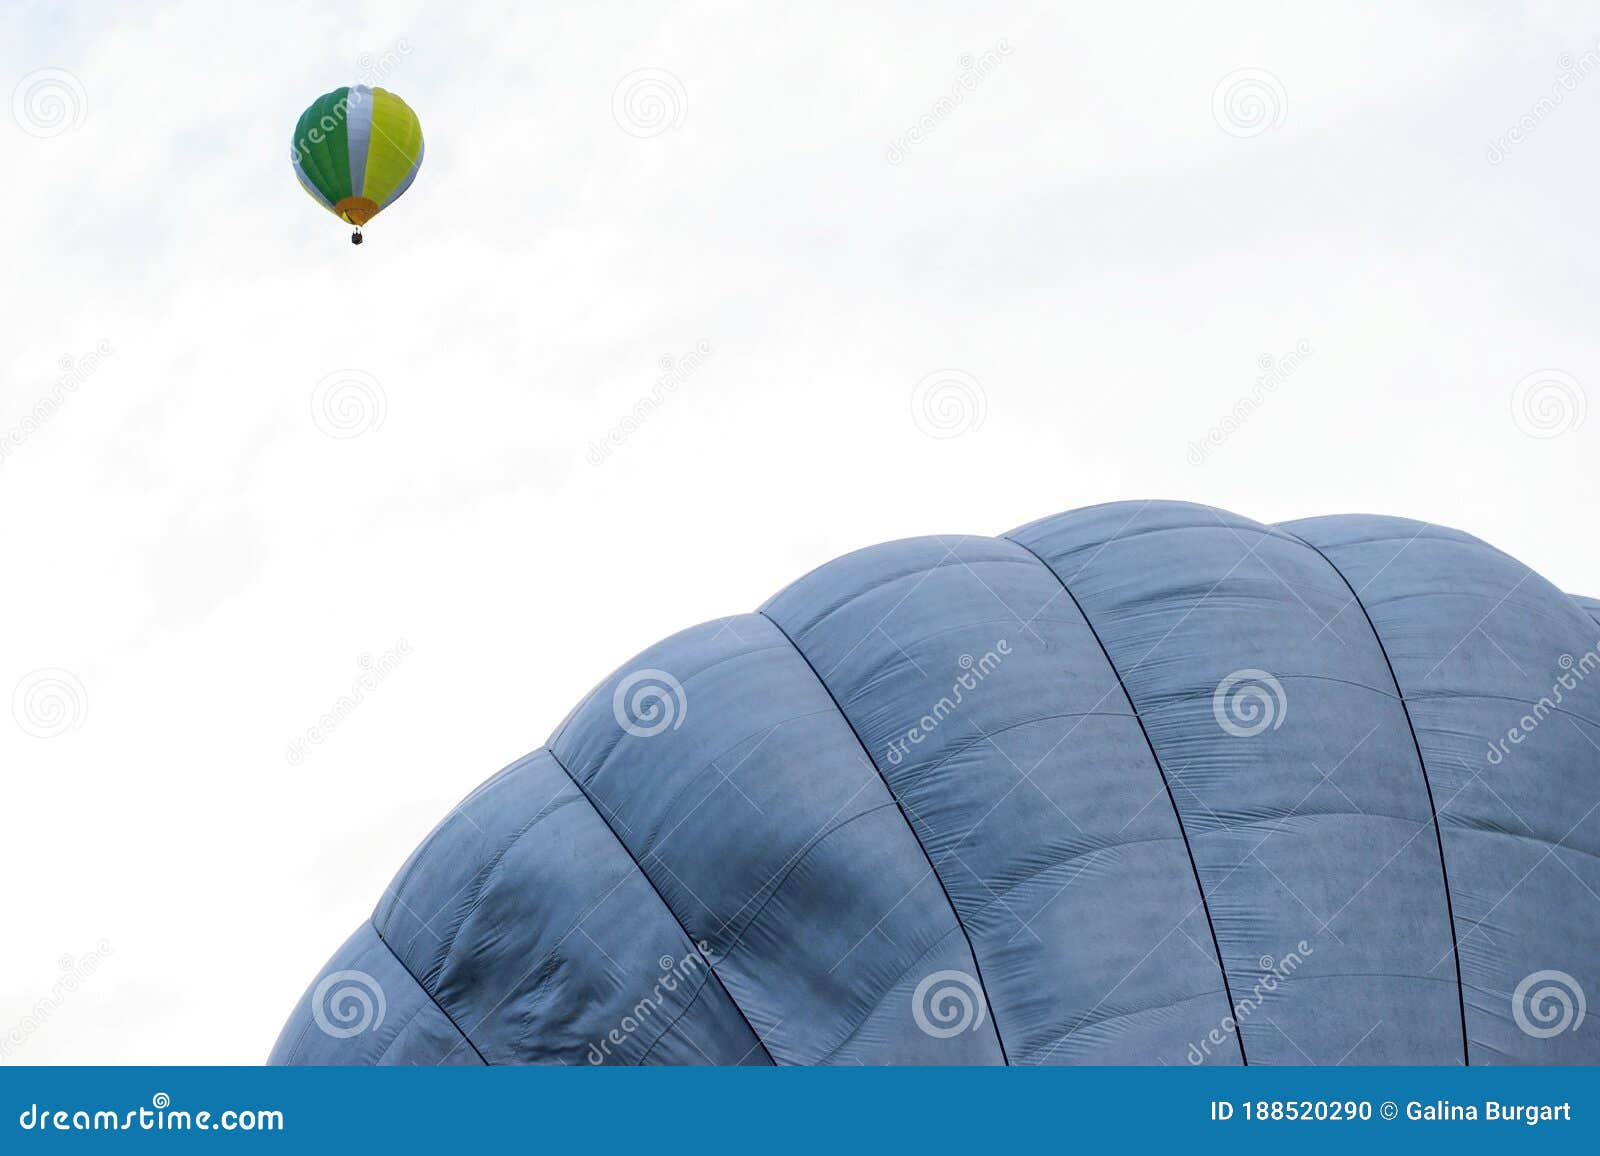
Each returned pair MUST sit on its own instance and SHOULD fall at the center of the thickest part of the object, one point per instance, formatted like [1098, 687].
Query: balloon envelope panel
[1142, 783]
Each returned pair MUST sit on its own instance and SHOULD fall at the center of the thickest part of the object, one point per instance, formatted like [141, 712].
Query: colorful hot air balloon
[356, 149]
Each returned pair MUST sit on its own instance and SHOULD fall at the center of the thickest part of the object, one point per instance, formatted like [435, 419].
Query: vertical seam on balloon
[711, 964]
[484, 876]
[391, 896]
[431, 998]
[1444, 874]
[293, 1051]
[1194, 867]
[398, 1036]
[955, 914]
[391, 116]
[666, 1031]
[405, 181]
[319, 174]
[306, 161]
[307, 184]
[327, 156]
[359, 114]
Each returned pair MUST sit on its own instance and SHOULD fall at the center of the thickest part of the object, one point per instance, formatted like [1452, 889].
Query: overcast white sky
[1096, 247]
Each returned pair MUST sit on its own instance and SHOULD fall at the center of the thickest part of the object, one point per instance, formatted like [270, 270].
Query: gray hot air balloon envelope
[1141, 783]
